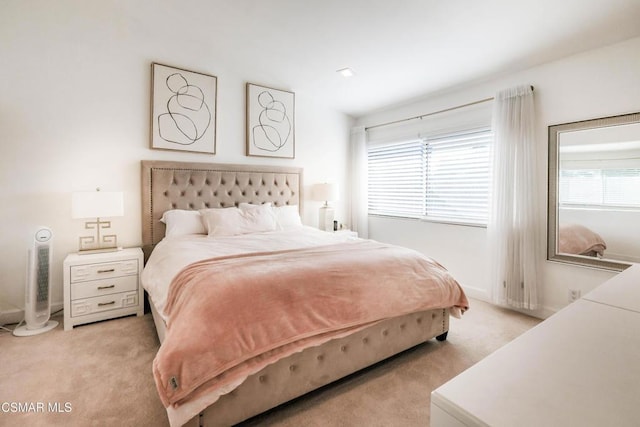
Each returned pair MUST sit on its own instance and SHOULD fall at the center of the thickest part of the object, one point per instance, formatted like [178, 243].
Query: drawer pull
[102, 304]
[111, 270]
[106, 287]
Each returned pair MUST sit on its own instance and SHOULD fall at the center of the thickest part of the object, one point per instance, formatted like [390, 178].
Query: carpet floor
[100, 375]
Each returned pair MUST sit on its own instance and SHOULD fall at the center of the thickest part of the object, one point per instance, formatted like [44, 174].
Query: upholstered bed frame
[177, 185]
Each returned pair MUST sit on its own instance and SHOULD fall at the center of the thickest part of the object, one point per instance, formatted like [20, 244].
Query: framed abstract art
[270, 122]
[183, 109]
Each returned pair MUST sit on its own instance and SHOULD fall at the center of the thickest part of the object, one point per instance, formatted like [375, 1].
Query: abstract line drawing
[274, 128]
[188, 116]
[270, 122]
[183, 109]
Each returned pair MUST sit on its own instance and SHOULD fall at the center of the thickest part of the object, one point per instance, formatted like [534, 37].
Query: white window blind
[442, 178]
[458, 177]
[600, 187]
[398, 179]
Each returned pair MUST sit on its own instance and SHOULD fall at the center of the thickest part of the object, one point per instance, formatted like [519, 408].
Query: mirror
[594, 192]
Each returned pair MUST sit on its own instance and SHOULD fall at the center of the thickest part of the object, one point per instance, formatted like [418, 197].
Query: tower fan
[37, 305]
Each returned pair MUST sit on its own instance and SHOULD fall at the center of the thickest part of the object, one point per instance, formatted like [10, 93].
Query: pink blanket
[231, 316]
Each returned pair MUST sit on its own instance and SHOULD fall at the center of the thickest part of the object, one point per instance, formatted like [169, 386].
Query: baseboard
[483, 295]
[10, 314]
[476, 293]
[541, 313]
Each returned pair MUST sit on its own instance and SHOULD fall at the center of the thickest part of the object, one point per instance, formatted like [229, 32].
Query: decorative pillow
[260, 218]
[245, 206]
[235, 221]
[287, 217]
[180, 222]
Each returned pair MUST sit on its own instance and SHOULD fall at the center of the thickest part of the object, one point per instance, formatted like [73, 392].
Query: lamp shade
[97, 204]
[326, 192]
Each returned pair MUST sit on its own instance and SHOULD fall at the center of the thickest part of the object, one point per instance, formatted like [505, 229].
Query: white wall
[618, 228]
[74, 115]
[597, 83]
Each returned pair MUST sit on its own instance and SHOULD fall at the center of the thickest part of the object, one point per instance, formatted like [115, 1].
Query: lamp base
[95, 244]
[326, 218]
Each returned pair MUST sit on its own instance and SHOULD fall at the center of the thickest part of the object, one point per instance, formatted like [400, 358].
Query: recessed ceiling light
[346, 72]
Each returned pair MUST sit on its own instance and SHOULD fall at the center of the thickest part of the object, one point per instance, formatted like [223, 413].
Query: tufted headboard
[178, 185]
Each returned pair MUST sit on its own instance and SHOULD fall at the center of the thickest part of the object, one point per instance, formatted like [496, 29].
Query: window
[600, 188]
[444, 178]
[398, 179]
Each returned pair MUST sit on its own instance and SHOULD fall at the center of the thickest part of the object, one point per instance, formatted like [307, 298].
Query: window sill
[433, 220]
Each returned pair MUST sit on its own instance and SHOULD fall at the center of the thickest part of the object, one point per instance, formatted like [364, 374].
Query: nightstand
[102, 286]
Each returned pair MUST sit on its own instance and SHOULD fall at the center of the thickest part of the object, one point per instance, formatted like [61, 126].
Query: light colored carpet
[103, 371]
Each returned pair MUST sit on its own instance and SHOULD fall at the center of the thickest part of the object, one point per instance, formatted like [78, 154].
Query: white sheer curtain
[513, 220]
[359, 198]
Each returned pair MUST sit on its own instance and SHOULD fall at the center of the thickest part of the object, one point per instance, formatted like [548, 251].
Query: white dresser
[580, 367]
[102, 286]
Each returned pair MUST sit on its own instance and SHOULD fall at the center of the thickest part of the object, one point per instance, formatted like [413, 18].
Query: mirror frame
[552, 203]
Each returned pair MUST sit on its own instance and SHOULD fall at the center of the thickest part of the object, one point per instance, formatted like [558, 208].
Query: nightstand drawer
[83, 307]
[97, 288]
[83, 273]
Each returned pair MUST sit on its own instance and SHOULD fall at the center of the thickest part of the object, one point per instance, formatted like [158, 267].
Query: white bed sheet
[173, 254]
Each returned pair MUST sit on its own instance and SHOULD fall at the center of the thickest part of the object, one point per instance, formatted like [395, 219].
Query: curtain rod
[432, 113]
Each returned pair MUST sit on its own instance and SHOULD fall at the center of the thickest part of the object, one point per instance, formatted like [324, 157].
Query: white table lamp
[326, 192]
[97, 204]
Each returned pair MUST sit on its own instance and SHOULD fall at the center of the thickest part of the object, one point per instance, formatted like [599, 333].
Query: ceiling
[399, 49]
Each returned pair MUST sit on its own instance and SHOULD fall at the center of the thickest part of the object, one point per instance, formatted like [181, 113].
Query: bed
[178, 186]
[577, 239]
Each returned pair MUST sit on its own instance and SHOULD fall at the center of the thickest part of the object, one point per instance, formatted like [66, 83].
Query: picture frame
[183, 109]
[270, 122]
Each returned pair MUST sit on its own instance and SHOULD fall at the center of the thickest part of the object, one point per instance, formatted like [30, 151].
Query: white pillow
[287, 217]
[264, 209]
[235, 221]
[180, 222]
[244, 206]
